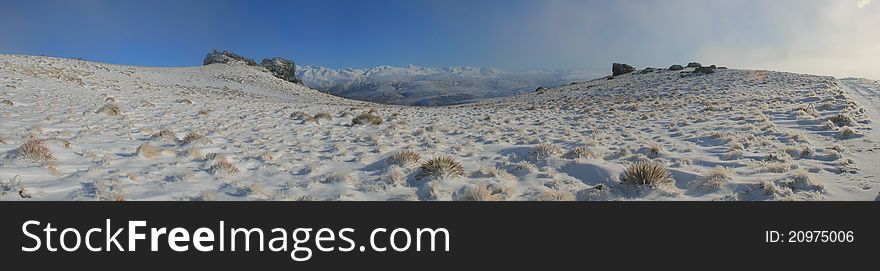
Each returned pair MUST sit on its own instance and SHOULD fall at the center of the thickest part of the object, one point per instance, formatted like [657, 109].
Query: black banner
[517, 235]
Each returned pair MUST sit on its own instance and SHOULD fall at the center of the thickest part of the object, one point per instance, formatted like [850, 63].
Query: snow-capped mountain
[415, 85]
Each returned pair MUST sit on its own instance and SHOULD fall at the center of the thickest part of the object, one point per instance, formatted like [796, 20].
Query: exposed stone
[619, 69]
[694, 65]
[676, 68]
[281, 68]
[705, 70]
[226, 57]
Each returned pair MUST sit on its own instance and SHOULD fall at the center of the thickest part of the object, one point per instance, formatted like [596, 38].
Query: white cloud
[863, 3]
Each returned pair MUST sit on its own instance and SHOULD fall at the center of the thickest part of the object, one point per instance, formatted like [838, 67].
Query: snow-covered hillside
[414, 85]
[75, 130]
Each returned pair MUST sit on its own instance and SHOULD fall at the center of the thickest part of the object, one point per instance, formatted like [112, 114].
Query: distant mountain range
[414, 85]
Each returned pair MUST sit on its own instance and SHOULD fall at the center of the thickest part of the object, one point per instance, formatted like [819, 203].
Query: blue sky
[836, 37]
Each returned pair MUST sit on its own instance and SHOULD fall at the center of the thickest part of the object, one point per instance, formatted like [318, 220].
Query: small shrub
[111, 109]
[147, 151]
[35, 150]
[646, 173]
[440, 167]
[7, 102]
[367, 118]
[407, 158]
[544, 151]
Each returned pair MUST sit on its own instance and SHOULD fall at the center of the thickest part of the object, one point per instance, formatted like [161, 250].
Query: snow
[415, 85]
[716, 134]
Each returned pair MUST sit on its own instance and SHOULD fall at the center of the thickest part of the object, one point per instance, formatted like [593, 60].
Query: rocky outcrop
[620, 69]
[694, 65]
[281, 68]
[676, 68]
[227, 57]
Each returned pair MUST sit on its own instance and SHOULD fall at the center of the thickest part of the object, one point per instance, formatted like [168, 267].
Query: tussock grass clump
[2, 140]
[111, 109]
[715, 178]
[556, 195]
[366, 118]
[35, 150]
[407, 159]
[196, 137]
[544, 151]
[846, 132]
[195, 153]
[223, 166]
[184, 101]
[801, 180]
[147, 151]
[308, 119]
[646, 173]
[580, 152]
[344, 114]
[7, 102]
[323, 116]
[842, 120]
[475, 193]
[166, 134]
[440, 167]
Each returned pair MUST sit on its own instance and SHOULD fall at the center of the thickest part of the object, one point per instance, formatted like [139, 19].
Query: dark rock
[713, 66]
[694, 65]
[647, 70]
[676, 68]
[722, 68]
[620, 69]
[226, 57]
[281, 68]
[705, 70]
[540, 89]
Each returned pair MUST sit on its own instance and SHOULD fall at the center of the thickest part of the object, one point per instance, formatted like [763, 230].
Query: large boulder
[694, 65]
[676, 68]
[227, 57]
[620, 69]
[281, 68]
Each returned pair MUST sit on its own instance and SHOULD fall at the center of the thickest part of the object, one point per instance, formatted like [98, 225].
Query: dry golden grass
[556, 195]
[197, 138]
[148, 151]
[323, 116]
[111, 109]
[223, 166]
[579, 153]
[166, 134]
[366, 118]
[476, 193]
[440, 167]
[544, 151]
[407, 158]
[35, 150]
[646, 173]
